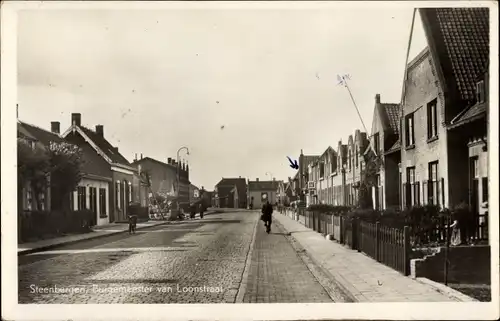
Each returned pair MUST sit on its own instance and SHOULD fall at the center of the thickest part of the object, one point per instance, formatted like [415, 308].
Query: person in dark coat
[267, 215]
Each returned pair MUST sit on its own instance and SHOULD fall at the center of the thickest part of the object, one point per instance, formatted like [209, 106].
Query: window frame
[480, 91]
[432, 122]
[410, 135]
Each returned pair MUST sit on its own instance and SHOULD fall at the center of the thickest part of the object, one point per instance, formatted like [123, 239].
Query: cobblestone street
[200, 261]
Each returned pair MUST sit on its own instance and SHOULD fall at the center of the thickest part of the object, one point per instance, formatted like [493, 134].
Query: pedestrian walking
[267, 215]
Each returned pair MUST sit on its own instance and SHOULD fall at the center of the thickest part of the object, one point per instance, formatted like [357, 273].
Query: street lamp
[178, 172]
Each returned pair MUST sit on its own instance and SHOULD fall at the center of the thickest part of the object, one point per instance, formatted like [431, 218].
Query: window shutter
[417, 193]
[442, 192]
[408, 195]
[425, 192]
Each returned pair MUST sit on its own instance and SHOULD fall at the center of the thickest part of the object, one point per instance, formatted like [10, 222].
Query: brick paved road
[278, 275]
[201, 261]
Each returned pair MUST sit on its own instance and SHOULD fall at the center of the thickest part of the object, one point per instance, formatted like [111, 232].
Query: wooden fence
[389, 246]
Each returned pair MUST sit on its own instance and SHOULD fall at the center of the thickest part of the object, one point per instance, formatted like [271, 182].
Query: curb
[246, 271]
[443, 289]
[346, 292]
[52, 246]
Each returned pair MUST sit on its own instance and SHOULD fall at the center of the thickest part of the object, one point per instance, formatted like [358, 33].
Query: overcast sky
[159, 80]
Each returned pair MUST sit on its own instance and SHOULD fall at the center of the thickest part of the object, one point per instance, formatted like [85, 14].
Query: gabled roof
[309, 159]
[459, 41]
[240, 183]
[40, 134]
[139, 161]
[106, 147]
[470, 114]
[390, 113]
[262, 185]
[394, 148]
[329, 150]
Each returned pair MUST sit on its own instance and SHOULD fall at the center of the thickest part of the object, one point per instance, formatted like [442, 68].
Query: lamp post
[178, 171]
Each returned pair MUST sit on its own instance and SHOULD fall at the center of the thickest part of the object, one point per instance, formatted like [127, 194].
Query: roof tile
[105, 146]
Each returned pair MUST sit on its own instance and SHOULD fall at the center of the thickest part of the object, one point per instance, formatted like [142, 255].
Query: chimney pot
[55, 127]
[135, 158]
[377, 98]
[99, 129]
[257, 179]
[76, 119]
[169, 160]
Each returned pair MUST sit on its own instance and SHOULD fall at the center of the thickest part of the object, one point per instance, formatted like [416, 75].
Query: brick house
[38, 139]
[440, 83]
[386, 145]
[339, 176]
[301, 188]
[461, 52]
[225, 198]
[261, 191]
[106, 162]
[320, 178]
[163, 177]
[355, 150]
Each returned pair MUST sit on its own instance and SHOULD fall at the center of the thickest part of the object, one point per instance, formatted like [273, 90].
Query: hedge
[39, 224]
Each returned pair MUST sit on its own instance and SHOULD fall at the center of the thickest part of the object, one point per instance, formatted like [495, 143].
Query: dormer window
[480, 92]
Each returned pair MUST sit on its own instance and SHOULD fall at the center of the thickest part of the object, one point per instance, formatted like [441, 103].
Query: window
[376, 143]
[357, 156]
[485, 189]
[82, 198]
[350, 159]
[410, 130]
[412, 191]
[102, 201]
[321, 170]
[432, 119]
[130, 192]
[433, 189]
[333, 165]
[481, 95]
[475, 167]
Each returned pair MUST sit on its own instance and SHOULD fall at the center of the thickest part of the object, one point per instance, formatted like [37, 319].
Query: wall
[119, 213]
[257, 203]
[87, 183]
[421, 88]
[468, 265]
[392, 196]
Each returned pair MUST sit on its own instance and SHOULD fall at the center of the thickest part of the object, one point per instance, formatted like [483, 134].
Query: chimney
[99, 129]
[55, 127]
[115, 149]
[169, 160]
[274, 179]
[257, 179]
[76, 119]
[135, 158]
[141, 155]
[377, 98]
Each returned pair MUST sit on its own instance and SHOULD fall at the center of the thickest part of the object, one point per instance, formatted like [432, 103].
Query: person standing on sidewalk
[267, 215]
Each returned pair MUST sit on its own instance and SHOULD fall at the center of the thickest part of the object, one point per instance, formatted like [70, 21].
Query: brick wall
[468, 265]
[422, 87]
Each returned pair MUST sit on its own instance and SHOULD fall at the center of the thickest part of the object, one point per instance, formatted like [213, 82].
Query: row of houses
[244, 193]
[433, 145]
[109, 181]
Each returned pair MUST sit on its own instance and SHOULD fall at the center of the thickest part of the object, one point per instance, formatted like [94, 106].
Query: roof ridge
[40, 128]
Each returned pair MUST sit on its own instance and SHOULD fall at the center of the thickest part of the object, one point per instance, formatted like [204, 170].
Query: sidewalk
[98, 231]
[364, 279]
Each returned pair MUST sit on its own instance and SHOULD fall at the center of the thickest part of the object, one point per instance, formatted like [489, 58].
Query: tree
[373, 163]
[33, 167]
[66, 161]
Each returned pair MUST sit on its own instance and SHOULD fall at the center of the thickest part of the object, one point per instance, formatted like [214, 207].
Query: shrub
[326, 208]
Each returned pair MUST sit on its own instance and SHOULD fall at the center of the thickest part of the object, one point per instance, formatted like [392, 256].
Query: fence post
[407, 250]
[377, 241]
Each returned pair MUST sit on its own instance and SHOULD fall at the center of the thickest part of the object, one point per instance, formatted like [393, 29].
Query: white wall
[87, 183]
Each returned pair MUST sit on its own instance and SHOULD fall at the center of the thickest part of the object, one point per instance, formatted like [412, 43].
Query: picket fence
[389, 246]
